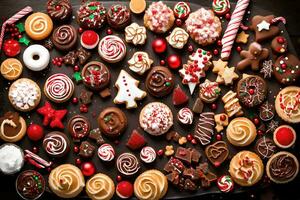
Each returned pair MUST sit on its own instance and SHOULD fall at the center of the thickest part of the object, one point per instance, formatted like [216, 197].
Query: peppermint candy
[148, 154]
[106, 152]
[221, 7]
[225, 183]
[185, 116]
[182, 10]
[112, 49]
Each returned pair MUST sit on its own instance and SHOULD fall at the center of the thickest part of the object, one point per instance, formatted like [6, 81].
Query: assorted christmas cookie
[12, 127]
[286, 69]
[89, 39]
[178, 38]
[284, 136]
[264, 27]
[265, 147]
[59, 88]
[30, 184]
[24, 94]
[203, 26]
[106, 152]
[279, 45]
[66, 181]
[112, 122]
[112, 49]
[205, 128]
[59, 10]
[11, 158]
[287, 104]
[91, 15]
[64, 37]
[252, 91]
[156, 118]
[127, 164]
[56, 144]
[209, 91]
[79, 127]
[221, 121]
[217, 153]
[38, 26]
[118, 16]
[159, 81]
[185, 116]
[159, 18]
[282, 167]
[181, 10]
[227, 76]
[151, 184]
[266, 111]
[241, 132]
[100, 186]
[11, 69]
[148, 154]
[231, 104]
[135, 34]
[96, 75]
[36, 57]
[246, 168]
[128, 91]
[140, 62]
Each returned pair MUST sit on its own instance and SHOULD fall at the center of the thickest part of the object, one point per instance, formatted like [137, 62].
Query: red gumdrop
[11, 48]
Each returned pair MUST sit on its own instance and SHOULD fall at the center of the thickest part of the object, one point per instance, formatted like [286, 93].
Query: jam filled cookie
[96, 75]
[12, 127]
[159, 18]
[36, 57]
[59, 88]
[246, 168]
[156, 118]
[100, 186]
[209, 91]
[91, 15]
[38, 26]
[287, 104]
[282, 167]
[284, 136]
[203, 26]
[159, 81]
[118, 16]
[56, 144]
[252, 91]
[64, 37]
[11, 69]
[24, 94]
[286, 69]
[112, 49]
[66, 181]
[59, 10]
[112, 122]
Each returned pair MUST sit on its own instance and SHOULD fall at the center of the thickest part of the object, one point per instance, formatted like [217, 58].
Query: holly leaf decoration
[24, 40]
[20, 27]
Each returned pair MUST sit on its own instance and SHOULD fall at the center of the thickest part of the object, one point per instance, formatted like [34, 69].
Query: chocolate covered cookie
[265, 147]
[79, 127]
[56, 144]
[64, 37]
[118, 16]
[13, 127]
[217, 153]
[59, 10]
[263, 27]
[91, 15]
[279, 45]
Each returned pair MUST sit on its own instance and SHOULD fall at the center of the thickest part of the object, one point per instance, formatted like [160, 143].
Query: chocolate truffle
[91, 15]
[265, 147]
[56, 144]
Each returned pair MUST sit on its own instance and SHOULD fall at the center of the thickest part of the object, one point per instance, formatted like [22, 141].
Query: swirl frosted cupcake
[118, 16]
[100, 187]
[56, 144]
[64, 37]
[59, 10]
[128, 164]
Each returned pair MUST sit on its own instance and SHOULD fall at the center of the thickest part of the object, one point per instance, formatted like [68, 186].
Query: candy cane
[233, 27]
[12, 20]
[38, 160]
[278, 19]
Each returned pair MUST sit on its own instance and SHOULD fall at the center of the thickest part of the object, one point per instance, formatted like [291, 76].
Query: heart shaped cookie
[217, 153]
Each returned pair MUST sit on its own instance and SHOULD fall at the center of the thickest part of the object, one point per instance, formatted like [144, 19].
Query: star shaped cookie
[242, 37]
[219, 66]
[228, 76]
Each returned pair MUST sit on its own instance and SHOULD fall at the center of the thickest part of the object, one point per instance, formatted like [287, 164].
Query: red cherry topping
[189, 137]
[251, 91]
[76, 149]
[76, 68]
[216, 52]
[284, 136]
[119, 178]
[280, 40]
[214, 106]
[223, 117]
[162, 62]
[239, 49]
[256, 121]
[160, 152]
[219, 137]
[283, 65]
[77, 161]
[75, 100]
[228, 16]
[109, 31]
[89, 37]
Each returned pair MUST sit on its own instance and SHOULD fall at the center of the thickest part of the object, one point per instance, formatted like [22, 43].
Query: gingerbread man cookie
[253, 56]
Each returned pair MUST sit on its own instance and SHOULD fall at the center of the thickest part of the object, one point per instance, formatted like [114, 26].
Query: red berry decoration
[162, 62]
[190, 48]
[179, 96]
[119, 178]
[284, 136]
[216, 52]
[189, 137]
[75, 100]
[159, 45]
[194, 141]
[178, 22]
[109, 31]
[88, 169]
[239, 49]
[174, 61]
[219, 137]
[76, 68]
[214, 106]
[80, 30]
[124, 189]
[160, 152]
[35, 132]
[256, 121]
[83, 108]
[219, 43]
[76, 149]
[259, 132]
[228, 16]
[35, 150]
[77, 161]
[11, 48]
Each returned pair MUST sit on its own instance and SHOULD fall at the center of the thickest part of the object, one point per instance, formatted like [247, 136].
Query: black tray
[132, 115]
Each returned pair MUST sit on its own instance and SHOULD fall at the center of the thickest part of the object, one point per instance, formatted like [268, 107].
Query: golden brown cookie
[38, 26]
[11, 69]
[100, 187]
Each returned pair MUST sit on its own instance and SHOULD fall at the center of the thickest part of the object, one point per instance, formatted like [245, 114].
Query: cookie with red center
[279, 45]
[284, 136]
[136, 140]
[89, 39]
[124, 189]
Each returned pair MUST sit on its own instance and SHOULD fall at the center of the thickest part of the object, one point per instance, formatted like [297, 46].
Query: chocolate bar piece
[86, 149]
[95, 134]
[184, 154]
[174, 164]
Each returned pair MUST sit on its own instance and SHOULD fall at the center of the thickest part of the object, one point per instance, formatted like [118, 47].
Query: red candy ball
[214, 106]
[124, 189]
[174, 61]
[11, 48]
[75, 100]
[162, 62]
[256, 121]
[228, 16]
[35, 132]
[88, 169]
[159, 45]
[216, 52]
[178, 22]
[239, 49]
[194, 141]
[219, 43]
[76, 149]
[119, 178]
[219, 137]
[109, 31]
[160, 152]
[77, 161]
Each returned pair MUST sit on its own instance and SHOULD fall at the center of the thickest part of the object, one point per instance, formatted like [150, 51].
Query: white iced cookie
[140, 62]
[135, 34]
[36, 57]
[178, 38]
[128, 91]
[24, 94]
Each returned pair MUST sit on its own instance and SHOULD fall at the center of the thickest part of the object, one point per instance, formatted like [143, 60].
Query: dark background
[287, 8]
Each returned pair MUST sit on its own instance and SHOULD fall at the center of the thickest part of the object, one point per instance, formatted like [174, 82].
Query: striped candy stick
[233, 27]
[12, 20]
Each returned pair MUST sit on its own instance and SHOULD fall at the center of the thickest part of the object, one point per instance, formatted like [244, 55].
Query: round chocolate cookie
[266, 111]
[282, 167]
[252, 91]
[64, 37]
[30, 184]
[91, 15]
[286, 69]
[96, 75]
[59, 10]
[159, 81]
[118, 16]
[128, 164]
[265, 147]
[112, 122]
[79, 127]
[56, 144]
[279, 45]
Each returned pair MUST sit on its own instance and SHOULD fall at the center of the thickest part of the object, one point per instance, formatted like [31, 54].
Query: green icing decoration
[168, 84]
[77, 77]
[24, 40]
[92, 16]
[20, 27]
[107, 118]
[93, 7]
